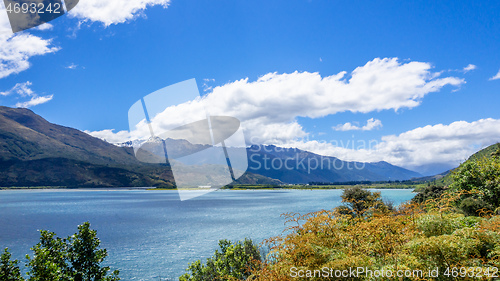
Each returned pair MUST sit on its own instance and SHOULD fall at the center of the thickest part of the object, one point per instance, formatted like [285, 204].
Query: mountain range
[35, 152]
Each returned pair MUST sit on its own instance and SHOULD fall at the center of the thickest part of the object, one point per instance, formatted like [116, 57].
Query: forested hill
[487, 152]
[35, 152]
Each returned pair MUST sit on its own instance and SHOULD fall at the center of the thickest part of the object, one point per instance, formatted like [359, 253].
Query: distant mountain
[35, 152]
[293, 165]
[296, 166]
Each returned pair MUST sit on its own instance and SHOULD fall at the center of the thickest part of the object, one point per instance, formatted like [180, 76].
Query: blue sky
[86, 69]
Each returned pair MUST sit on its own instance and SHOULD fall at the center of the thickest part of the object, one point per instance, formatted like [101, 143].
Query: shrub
[232, 262]
[428, 193]
[481, 177]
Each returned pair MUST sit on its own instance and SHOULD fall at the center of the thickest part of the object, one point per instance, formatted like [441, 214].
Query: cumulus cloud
[496, 77]
[45, 26]
[16, 49]
[110, 136]
[370, 125]
[448, 145]
[269, 107]
[277, 100]
[23, 90]
[468, 68]
[112, 11]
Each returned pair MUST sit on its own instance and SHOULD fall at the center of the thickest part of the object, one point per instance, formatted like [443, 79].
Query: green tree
[49, 259]
[431, 192]
[86, 257]
[76, 258]
[496, 154]
[9, 271]
[480, 179]
[361, 201]
[233, 261]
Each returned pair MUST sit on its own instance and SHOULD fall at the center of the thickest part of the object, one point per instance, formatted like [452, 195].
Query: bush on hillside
[480, 180]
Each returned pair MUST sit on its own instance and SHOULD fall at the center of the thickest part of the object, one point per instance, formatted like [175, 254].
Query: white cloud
[71, 66]
[468, 68]
[370, 125]
[45, 26]
[269, 107]
[439, 144]
[276, 100]
[17, 49]
[35, 100]
[496, 77]
[112, 11]
[206, 84]
[110, 136]
[23, 90]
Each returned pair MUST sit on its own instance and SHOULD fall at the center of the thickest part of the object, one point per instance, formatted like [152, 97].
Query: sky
[413, 83]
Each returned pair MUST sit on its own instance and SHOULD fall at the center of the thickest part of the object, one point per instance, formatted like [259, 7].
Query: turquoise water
[151, 234]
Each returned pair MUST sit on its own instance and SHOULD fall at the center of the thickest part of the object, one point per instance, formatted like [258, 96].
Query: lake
[152, 234]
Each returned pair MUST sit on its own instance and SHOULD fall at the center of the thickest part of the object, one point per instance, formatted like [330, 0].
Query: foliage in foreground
[76, 258]
[454, 231]
[232, 262]
[406, 239]
[9, 271]
[443, 234]
[479, 181]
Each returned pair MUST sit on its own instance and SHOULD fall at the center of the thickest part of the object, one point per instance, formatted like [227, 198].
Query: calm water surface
[149, 234]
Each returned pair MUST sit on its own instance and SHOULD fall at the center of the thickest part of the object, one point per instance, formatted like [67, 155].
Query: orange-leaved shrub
[413, 238]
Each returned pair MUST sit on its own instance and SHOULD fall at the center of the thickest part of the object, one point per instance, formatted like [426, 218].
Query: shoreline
[239, 188]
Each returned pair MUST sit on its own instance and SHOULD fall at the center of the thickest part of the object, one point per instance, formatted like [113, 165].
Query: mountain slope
[27, 136]
[293, 165]
[486, 152]
[35, 152]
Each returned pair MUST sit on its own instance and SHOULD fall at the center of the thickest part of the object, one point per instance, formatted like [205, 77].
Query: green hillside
[35, 152]
[486, 152]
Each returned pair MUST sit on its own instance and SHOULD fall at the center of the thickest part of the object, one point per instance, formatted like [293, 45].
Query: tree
[86, 257]
[496, 154]
[76, 258]
[359, 201]
[9, 271]
[430, 192]
[233, 261]
[49, 259]
[478, 179]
